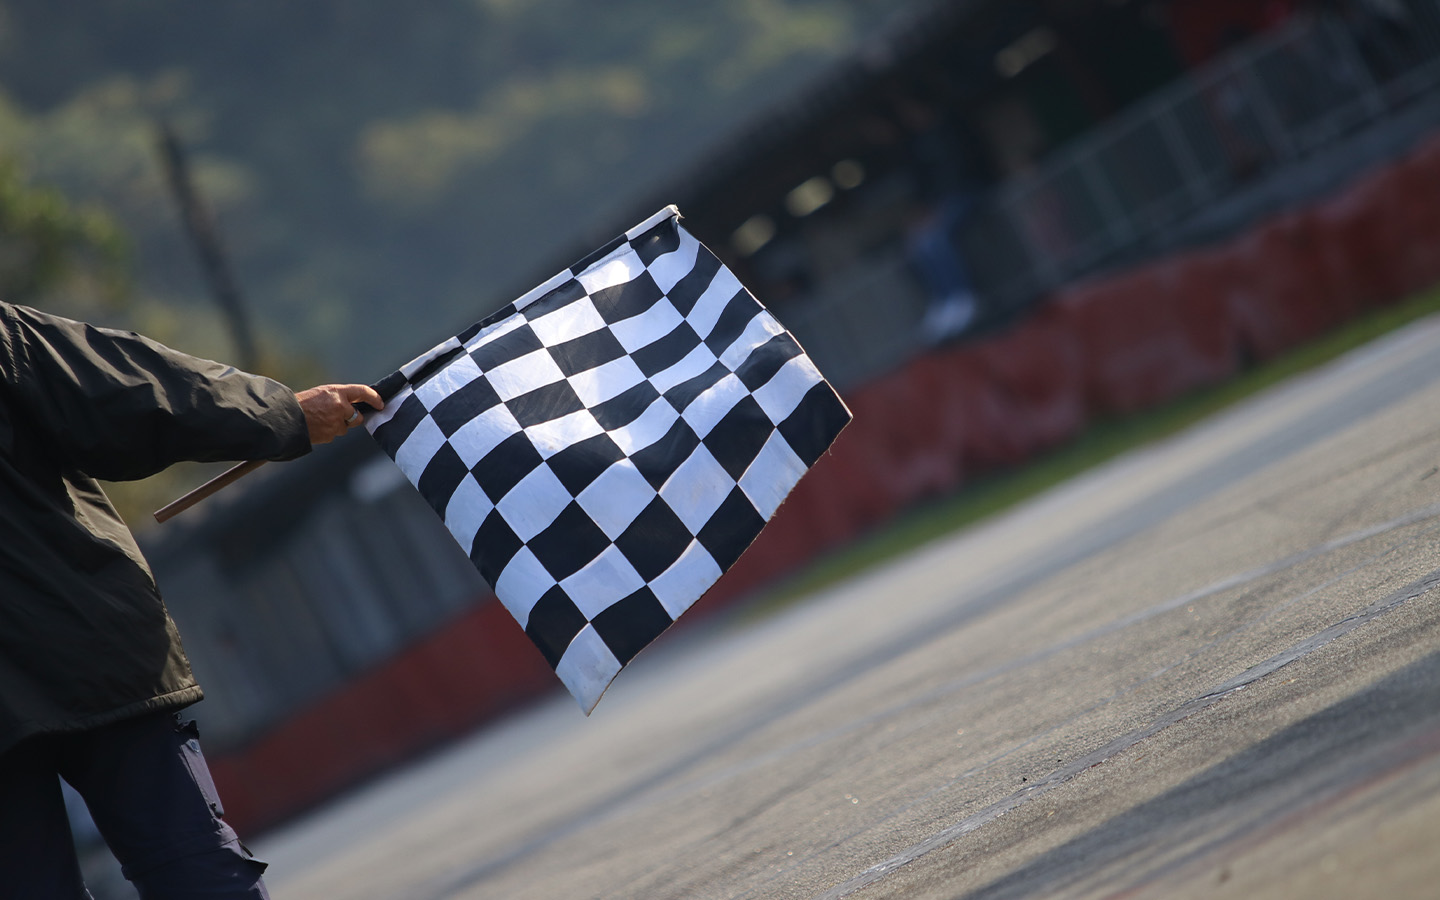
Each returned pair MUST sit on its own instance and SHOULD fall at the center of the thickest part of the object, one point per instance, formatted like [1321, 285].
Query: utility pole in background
[201, 228]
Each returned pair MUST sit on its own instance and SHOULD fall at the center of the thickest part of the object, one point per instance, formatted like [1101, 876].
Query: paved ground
[1210, 669]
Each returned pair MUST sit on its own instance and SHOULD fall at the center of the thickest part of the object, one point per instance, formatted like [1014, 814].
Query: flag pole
[227, 478]
[205, 490]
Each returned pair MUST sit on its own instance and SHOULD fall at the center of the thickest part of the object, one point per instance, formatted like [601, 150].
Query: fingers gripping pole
[233, 475]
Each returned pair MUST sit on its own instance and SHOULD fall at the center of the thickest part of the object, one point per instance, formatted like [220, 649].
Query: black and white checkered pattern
[606, 447]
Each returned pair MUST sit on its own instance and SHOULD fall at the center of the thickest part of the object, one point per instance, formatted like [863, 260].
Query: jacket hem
[174, 700]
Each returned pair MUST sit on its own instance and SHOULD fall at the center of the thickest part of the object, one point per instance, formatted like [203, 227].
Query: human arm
[119, 406]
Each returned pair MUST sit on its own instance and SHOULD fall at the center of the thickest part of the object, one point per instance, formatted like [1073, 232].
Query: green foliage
[386, 172]
[46, 244]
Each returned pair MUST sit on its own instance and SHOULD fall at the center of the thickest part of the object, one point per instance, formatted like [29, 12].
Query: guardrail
[1105, 196]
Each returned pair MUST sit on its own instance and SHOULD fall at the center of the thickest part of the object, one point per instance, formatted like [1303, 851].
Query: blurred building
[972, 161]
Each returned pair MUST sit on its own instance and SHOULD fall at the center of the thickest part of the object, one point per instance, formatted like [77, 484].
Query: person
[944, 196]
[92, 672]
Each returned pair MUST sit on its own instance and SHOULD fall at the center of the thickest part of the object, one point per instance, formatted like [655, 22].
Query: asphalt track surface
[1210, 668]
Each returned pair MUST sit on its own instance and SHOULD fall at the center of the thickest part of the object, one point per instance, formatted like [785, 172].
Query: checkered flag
[606, 446]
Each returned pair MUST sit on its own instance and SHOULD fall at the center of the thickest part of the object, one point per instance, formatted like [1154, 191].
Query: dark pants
[150, 793]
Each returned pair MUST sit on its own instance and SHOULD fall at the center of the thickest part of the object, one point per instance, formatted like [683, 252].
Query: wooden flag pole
[208, 488]
[222, 480]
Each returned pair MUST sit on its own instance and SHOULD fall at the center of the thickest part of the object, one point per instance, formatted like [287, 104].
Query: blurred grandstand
[1066, 138]
[935, 188]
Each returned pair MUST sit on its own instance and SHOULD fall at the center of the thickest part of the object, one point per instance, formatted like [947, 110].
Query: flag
[606, 446]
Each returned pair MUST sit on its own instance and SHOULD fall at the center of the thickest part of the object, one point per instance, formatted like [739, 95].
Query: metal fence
[1108, 195]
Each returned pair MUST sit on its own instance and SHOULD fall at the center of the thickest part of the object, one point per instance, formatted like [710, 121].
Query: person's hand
[329, 412]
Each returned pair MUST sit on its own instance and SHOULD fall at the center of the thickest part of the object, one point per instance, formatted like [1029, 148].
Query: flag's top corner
[669, 212]
[619, 245]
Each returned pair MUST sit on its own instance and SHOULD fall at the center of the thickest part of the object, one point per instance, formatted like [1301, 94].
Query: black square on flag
[630, 624]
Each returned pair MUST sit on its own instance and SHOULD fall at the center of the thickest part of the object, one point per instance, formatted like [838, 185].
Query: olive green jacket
[84, 637]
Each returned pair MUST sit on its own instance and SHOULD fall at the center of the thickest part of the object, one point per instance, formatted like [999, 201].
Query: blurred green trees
[383, 173]
[48, 246]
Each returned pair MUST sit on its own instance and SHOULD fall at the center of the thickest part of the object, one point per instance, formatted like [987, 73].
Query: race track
[1210, 668]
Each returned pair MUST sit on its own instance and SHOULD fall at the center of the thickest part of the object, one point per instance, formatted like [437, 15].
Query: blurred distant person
[943, 200]
[91, 668]
[930, 246]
